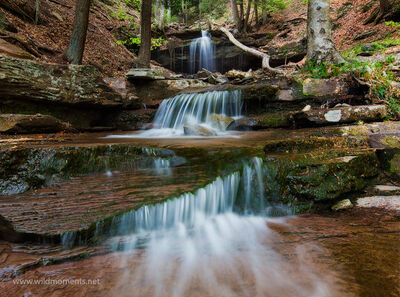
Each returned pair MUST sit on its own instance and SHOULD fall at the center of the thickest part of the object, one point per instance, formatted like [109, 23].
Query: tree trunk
[157, 11]
[162, 12]
[246, 20]
[235, 14]
[320, 47]
[74, 53]
[145, 34]
[37, 10]
[256, 12]
[264, 16]
[241, 13]
[265, 57]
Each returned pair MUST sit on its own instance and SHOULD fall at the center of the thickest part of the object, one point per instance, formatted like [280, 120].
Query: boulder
[198, 130]
[144, 74]
[343, 204]
[321, 117]
[243, 124]
[325, 88]
[220, 121]
[24, 124]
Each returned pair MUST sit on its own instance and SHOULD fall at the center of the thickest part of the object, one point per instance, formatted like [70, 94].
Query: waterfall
[195, 109]
[199, 244]
[241, 191]
[202, 53]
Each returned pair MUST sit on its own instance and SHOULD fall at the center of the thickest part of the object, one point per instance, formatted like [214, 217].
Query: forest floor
[108, 23]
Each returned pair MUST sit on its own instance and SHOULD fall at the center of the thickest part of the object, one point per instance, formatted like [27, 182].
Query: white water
[192, 109]
[202, 53]
[198, 245]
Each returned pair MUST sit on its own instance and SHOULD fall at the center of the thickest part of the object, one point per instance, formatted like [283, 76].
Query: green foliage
[215, 8]
[395, 25]
[371, 48]
[274, 5]
[136, 41]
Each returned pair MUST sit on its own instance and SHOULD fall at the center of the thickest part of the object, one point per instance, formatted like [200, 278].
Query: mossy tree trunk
[145, 34]
[320, 46]
[74, 52]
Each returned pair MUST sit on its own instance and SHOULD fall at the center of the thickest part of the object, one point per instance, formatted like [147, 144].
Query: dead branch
[265, 57]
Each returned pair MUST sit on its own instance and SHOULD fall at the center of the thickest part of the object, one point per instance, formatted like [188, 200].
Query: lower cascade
[198, 114]
[215, 239]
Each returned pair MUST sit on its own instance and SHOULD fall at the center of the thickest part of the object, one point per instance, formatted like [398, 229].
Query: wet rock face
[23, 124]
[25, 169]
[351, 114]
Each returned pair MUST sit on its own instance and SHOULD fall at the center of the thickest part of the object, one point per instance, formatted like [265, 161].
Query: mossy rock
[326, 180]
[313, 143]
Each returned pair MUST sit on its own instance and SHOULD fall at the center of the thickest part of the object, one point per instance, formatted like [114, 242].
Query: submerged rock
[198, 130]
[365, 113]
[343, 204]
[24, 124]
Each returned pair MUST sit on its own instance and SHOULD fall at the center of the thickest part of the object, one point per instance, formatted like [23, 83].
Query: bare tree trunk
[145, 34]
[235, 14]
[162, 12]
[256, 12]
[246, 20]
[37, 10]
[241, 12]
[74, 52]
[265, 57]
[157, 11]
[264, 16]
[320, 47]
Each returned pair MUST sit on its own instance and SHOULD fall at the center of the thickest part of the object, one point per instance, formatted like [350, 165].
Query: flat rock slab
[387, 202]
[144, 73]
[78, 203]
[341, 115]
[24, 124]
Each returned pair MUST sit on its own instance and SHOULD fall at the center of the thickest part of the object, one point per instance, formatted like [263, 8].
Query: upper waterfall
[202, 53]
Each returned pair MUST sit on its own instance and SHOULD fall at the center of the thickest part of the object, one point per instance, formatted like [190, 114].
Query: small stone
[306, 108]
[343, 204]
